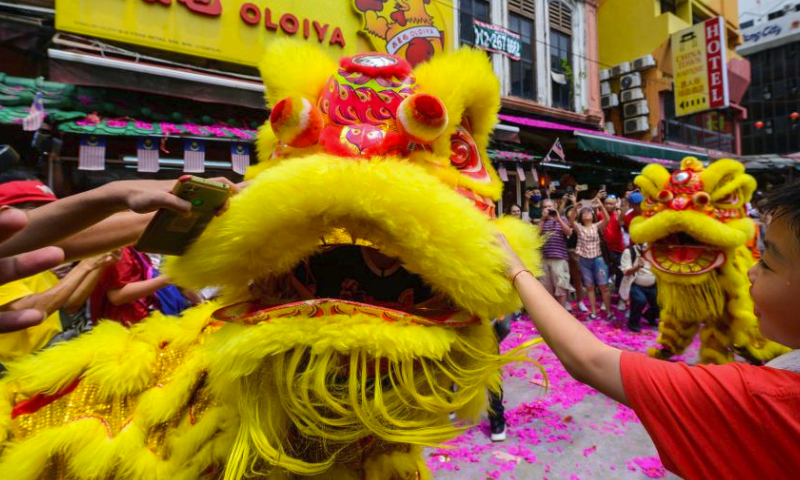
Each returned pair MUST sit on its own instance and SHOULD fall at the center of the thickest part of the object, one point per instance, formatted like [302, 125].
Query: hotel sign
[700, 68]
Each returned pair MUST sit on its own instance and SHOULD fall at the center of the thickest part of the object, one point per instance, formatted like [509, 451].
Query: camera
[551, 212]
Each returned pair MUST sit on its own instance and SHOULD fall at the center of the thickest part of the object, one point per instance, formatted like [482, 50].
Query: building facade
[637, 73]
[556, 73]
[772, 46]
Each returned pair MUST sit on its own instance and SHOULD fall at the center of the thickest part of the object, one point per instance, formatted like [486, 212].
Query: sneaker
[602, 307]
[592, 316]
[582, 307]
[622, 306]
[499, 431]
[567, 306]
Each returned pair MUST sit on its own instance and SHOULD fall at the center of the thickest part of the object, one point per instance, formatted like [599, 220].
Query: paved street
[568, 431]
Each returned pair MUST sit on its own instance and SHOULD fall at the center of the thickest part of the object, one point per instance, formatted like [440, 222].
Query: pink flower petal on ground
[650, 466]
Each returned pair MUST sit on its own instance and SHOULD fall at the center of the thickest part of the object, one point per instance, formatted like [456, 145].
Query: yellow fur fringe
[397, 206]
[262, 378]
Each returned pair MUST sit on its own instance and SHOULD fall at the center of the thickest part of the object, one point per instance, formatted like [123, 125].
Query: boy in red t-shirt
[711, 421]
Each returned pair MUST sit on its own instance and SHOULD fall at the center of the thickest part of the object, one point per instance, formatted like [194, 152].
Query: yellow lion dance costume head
[359, 272]
[696, 226]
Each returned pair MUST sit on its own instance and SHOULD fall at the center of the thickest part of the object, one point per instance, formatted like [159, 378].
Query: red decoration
[794, 116]
[759, 125]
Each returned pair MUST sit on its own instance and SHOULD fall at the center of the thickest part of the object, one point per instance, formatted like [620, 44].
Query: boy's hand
[513, 263]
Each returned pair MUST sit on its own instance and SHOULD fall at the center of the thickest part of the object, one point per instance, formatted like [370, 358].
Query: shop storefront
[183, 81]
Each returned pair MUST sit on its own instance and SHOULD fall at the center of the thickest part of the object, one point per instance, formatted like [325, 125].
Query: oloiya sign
[236, 31]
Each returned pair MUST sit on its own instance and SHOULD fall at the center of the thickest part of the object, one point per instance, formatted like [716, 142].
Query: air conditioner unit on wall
[621, 69]
[643, 63]
[635, 125]
[635, 109]
[605, 74]
[605, 88]
[632, 95]
[631, 80]
[609, 101]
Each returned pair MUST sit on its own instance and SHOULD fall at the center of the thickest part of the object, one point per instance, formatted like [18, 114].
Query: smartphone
[582, 187]
[170, 232]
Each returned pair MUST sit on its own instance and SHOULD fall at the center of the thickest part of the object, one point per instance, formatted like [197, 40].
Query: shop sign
[497, 39]
[772, 33]
[237, 30]
[700, 68]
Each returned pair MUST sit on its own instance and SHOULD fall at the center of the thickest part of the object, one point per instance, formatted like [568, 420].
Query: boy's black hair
[784, 203]
[17, 174]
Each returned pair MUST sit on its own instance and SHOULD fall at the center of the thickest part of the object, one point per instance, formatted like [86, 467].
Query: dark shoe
[499, 430]
[634, 328]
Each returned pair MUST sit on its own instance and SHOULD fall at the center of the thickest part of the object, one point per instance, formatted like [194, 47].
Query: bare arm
[136, 290]
[564, 226]
[56, 221]
[114, 232]
[572, 214]
[51, 300]
[585, 358]
[97, 266]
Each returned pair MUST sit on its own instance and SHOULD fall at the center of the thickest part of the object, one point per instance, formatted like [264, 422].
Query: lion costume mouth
[682, 254]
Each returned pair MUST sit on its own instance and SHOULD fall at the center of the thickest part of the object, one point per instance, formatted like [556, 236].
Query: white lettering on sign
[497, 39]
[715, 59]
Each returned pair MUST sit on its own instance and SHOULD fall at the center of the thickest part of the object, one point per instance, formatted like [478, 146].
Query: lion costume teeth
[695, 224]
[359, 273]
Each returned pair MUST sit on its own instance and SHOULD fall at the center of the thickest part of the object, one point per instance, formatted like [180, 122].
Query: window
[469, 9]
[562, 75]
[523, 79]
[669, 6]
[714, 129]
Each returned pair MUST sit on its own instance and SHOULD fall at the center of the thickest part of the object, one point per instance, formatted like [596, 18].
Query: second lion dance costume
[360, 274]
[695, 223]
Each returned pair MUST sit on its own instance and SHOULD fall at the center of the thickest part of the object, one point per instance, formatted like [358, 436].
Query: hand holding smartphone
[170, 232]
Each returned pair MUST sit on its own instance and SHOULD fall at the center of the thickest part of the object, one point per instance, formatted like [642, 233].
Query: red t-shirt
[127, 270]
[733, 421]
[628, 218]
[613, 233]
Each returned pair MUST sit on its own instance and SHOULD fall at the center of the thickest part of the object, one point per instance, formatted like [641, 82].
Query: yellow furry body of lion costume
[359, 273]
[696, 226]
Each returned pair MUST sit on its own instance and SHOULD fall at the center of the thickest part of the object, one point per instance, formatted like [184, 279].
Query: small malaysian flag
[92, 154]
[502, 172]
[558, 150]
[147, 154]
[520, 173]
[194, 156]
[240, 157]
[36, 115]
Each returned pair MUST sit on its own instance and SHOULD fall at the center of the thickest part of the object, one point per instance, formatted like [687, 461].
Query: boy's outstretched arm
[585, 358]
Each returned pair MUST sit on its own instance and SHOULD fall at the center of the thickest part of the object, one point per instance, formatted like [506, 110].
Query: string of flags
[92, 154]
[554, 154]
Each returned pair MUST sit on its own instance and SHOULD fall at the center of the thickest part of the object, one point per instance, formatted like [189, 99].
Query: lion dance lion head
[695, 224]
[359, 273]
